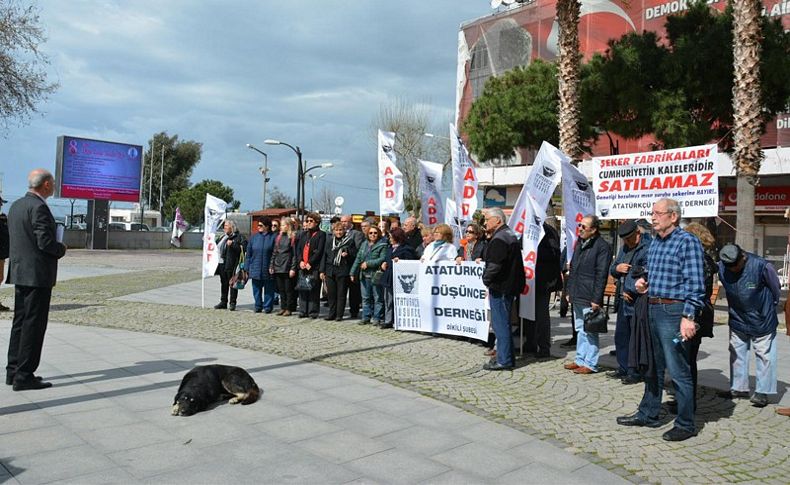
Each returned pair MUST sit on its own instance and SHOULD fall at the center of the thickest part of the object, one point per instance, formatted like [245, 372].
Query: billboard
[99, 170]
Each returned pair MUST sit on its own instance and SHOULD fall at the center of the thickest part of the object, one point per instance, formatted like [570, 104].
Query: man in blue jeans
[505, 279]
[676, 291]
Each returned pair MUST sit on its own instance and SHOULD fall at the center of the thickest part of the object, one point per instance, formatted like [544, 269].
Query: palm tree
[746, 113]
[568, 63]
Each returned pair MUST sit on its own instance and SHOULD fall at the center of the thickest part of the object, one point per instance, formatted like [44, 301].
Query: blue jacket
[752, 296]
[259, 255]
[626, 283]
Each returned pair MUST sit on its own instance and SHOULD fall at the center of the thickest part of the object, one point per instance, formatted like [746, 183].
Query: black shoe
[9, 379]
[541, 354]
[31, 384]
[496, 366]
[759, 400]
[330, 318]
[635, 420]
[364, 321]
[386, 325]
[612, 353]
[569, 343]
[258, 310]
[616, 374]
[232, 307]
[267, 311]
[629, 380]
[678, 434]
[4, 308]
[672, 406]
[314, 316]
[733, 394]
[302, 315]
[221, 306]
[339, 319]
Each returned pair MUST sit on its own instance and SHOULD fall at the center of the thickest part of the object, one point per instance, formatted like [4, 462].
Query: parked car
[116, 226]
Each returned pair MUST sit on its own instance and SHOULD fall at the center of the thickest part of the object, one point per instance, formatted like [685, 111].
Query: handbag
[376, 278]
[239, 279]
[305, 281]
[596, 321]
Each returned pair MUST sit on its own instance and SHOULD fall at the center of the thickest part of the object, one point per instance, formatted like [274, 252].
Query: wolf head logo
[583, 186]
[407, 282]
[548, 172]
[604, 211]
[430, 179]
[386, 148]
[537, 221]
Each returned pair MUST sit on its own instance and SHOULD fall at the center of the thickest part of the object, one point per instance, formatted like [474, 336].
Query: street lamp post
[320, 165]
[313, 178]
[299, 172]
[264, 171]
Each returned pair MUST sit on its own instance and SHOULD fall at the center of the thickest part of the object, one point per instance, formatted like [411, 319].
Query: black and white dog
[207, 384]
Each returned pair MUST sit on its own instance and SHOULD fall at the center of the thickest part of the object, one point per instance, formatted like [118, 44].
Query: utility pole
[161, 178]
[151, 171]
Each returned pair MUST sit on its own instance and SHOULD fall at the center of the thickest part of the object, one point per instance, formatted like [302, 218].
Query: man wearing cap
[675, 286]
[4, 247]
[632, 254]
[753, 292]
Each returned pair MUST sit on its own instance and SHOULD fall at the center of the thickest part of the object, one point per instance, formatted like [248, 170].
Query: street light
[313, 178]
[264, 171]
[431, 135]
[314, 167]
[299, 173]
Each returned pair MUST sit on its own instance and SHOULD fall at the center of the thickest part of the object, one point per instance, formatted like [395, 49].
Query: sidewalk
[538, 407]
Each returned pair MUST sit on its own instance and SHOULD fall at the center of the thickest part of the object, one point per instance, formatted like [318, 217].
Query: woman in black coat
[307, 263]
[398, 250]
[230, 247]
[280, 266]
[339, 255]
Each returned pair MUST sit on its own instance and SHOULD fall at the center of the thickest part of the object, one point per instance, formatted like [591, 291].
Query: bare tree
[411, 121]
[23, 80]
[325, 200]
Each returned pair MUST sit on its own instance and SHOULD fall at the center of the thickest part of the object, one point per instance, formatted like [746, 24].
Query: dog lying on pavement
[208, 384]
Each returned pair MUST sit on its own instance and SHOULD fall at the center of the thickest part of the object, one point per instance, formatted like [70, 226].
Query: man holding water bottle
[676, 289]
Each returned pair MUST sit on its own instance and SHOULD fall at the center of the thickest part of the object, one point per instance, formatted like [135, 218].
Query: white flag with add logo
[531, 237]
[213, 214]
[578, 200]
[390, 178]
[431, 193]
[543, 178]
[464, 179]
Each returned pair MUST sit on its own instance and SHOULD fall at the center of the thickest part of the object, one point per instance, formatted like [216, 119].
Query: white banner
[445, 297]
[464, 179]
[451, 219]
[578, 200]
[533, 233]
[213, 214]
[626, 186]
[543, 178]
[431, 192]
[179, 227]
[390, 177]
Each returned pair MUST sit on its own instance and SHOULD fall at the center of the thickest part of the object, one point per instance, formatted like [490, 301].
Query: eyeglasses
[310, 220]
[470, 232]
[659, 213]
[260, 225]
[582, 226]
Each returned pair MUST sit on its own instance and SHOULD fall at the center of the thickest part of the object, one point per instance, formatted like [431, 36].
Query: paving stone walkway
[158, 293]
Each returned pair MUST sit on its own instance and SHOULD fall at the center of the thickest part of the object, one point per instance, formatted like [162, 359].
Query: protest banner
[626, 186]
[578, 200]
[431, 192]
[543, 178]
[445, 298]
[390, 177]
[464, 179]
[530, 239]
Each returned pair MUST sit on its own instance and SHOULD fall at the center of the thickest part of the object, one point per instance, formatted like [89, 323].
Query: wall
[135, 240]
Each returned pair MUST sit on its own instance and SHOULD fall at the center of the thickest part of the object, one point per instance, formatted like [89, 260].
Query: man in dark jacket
[33, 268]
[413, 234]
[548, 279]
[307, 262]
[3, 248]
[632, 254]
[753, 293]
[586, 285]
[505, 279]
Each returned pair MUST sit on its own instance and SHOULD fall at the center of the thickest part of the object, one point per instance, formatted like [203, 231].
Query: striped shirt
[675, 270]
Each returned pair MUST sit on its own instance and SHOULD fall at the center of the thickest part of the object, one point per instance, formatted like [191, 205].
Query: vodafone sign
[765, 198]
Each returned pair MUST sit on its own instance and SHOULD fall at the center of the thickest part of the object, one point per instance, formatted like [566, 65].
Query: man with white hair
[33, 268]
[505, 279]
[413, 235]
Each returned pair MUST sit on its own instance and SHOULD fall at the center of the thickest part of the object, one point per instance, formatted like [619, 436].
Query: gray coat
[282, 255]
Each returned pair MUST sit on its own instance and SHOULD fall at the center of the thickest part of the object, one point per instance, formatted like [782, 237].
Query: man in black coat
[33, 268]
[354, 291]
[3, 248]
[413, 234]
[548, 279]
[504, 277]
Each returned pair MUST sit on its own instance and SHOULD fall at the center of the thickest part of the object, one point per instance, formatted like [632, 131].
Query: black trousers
[31, 314]
[224, 279]
[354, 298]
[309, 301]
[336, 287]
[537, 334]
[285, 287]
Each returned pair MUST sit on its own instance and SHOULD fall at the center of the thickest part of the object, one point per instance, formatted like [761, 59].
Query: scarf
[470, 246]
[337, 247]
[223, 245]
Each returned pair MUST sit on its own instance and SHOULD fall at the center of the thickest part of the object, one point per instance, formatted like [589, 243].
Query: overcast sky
[310, 73]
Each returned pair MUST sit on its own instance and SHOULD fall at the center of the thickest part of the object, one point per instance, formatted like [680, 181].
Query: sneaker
[759, 400]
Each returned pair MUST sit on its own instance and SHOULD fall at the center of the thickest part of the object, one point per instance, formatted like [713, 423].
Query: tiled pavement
[106, 418]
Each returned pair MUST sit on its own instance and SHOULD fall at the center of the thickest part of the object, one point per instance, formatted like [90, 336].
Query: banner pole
[202, 292]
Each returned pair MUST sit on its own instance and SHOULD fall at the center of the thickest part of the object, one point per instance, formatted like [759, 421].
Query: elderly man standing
[413, 234]
[753, 292]
[676, 290]
[33, 268]
[354, 291]
[504, 277]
